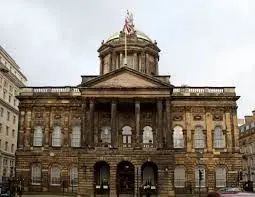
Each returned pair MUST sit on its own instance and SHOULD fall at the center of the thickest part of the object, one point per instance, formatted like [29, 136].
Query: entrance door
[125, 179]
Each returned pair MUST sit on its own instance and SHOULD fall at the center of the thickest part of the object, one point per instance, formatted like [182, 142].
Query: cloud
[203, 42]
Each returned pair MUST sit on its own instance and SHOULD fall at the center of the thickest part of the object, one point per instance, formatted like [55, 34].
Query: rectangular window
[200, 177]
[55, 176]
[7, 130]
[13, 133]
[6, 146]
[76, 137]
[74, 176]
[1, 112]
[4, 94]
[1, 128]
[8, 115]
[12, 148]
[10, 98]
[36, 175]
[220, 174]
[14, 119]
[179, 177]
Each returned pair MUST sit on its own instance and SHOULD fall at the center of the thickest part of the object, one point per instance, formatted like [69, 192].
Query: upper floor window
[14, 119]
[1, 127]
[56, 136]
[13, 133]
[8, 115]
[126, 136]
[200, 179]
[1, 112]
[6, 146]
[106, 135]
[199, 138]
[179, 177]
[38, 136]
[178, 137]
[7, 130]
[12, 148]
[219, 138]
[220, 174]
[73, 176]
[147, 136]
[55, 174]
[76, 136]
[36, 174]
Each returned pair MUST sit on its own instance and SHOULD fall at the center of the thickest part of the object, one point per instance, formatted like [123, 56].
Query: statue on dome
[129, 27]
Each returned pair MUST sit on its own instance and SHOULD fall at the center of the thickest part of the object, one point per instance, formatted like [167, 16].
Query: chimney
[248, 119]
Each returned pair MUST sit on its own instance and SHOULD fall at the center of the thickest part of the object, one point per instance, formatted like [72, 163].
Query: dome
[138, 33]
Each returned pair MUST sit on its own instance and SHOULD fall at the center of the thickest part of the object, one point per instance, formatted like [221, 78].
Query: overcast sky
[202, 42]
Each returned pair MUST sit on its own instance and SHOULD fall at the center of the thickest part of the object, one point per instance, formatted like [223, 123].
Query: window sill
[35, 184]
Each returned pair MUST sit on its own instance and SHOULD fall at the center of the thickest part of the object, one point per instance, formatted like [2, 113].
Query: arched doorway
[101, 178]
[149, 172]
[125, 179]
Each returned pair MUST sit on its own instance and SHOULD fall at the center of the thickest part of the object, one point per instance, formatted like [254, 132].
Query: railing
[64, 90]
[203, 91]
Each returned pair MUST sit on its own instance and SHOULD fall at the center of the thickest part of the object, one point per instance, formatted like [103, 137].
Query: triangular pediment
[126, 78]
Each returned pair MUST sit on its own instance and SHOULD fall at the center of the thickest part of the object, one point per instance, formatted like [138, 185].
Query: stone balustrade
[203, 91]
[177, 91]
[48, 90]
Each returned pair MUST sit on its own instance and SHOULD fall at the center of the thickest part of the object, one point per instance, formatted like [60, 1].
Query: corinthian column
[113, 124]
[137, 123]
[83, 123]
[91, 122]
[21, 129]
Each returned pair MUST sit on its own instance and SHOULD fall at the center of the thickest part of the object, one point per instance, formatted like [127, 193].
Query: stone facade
[11, 79]
[247, 146]
[128, 131]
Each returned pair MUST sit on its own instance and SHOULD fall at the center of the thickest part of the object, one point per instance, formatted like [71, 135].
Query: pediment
[126, 78]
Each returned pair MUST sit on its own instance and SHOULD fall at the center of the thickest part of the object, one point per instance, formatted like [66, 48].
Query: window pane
[55, 176]
[36, 174]
[220, 174]
[76, 136]
[179, 177]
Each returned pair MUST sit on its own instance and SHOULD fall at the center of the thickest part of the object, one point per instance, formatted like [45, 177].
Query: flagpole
[125, 60]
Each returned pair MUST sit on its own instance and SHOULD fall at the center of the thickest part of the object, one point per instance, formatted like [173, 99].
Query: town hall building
[128, 131]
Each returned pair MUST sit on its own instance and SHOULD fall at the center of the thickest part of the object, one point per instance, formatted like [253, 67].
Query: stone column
[236, 132]
[159, 124]
[228, 135]
[121, 60]
[47, 127]
[91, 122]
[28, 128]
[142, 68]
[169, 134]
[113, 124]
[208, 122]
[135, 62]
[113, 67]
[83, 124]
[147, 65]
[137, 179]
[101, 65]
[112, 181]
[188, 120]
[137, 123]
[21, 129]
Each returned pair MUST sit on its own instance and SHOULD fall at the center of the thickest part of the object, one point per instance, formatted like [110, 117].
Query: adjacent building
[128, 131]
[11, 79]
[247, 146]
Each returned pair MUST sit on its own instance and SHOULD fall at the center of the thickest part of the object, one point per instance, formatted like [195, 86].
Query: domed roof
[138, 33]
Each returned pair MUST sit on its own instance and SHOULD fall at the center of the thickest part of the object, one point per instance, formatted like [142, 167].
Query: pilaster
[21, 129]
[91, 122]
[137, 123]
[208, 120]
[113, 124]
[188, 121]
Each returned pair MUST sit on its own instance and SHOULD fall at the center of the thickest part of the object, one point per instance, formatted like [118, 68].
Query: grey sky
[203, 42]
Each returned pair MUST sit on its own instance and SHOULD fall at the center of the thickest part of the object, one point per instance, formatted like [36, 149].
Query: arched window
[200, 176]
[220, 174]
[38, 136]
[36, 174]
[76, 136]
[179, 176]
[106, 135]
[178, 137]
[126, 136]
[147, 137]
[219, 138]
[56, 136]
[55, 174]
[199, 138]
[73, 174]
